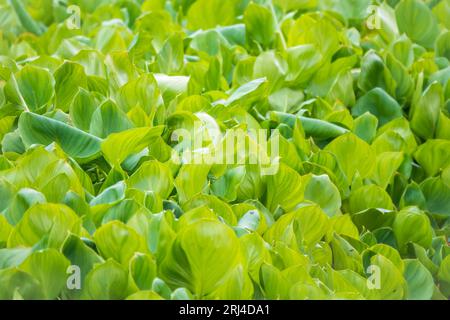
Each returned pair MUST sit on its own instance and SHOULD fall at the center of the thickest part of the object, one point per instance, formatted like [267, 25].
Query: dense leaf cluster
[355, 93]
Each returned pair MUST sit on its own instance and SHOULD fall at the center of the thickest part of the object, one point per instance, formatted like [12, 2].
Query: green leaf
[433, 156]
[259, 24]
[387, 252]
[403, 80]
[153, 176]
[171, 57]
[7, 191]
[271, 65]
[220, 208]
[53, 221]
[143, 270]
[81, 109]
[161, 288]
[442, 45]
[247, 93]
[395, 136]
[106, 281]
[419, 279]
[392, 284]
[416, 20]
[319, 32]
[13, 257]
[31, 88]
[412, 225]
[303, 61]
[437, 196]
[345, 256]
[142, 92]
[110, 195]
[272, 282]
[310, 224]
[191, 180]
[201, 271]
[16, 282]
[81, 255]
[285, 189]
[444, 276]
[412, 196]
[104, 194]
[203, 14]
[208, 41]
[316, 128]
[22, 201]
[373, 219]
[285, 99]
[374, 73]
[323, 192]
[37, 129]
[387, 164]
[426, 110]
[171, 86]
[380, 104]
[226, 186]
[353, 9]
[403, 51]
[49, 268]
[118, 146]
[108, 119]
[253, 184]
[238, 285]
[344, 226]
[353, 154]
[25, 19]
[118, 241]
[69, 78]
